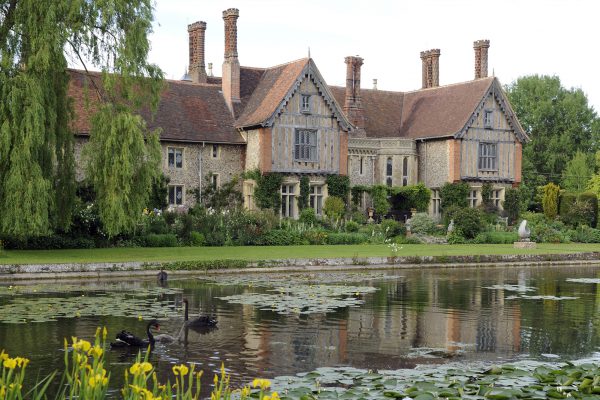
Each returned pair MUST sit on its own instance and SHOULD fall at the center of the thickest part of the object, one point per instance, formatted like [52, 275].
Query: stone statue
[450, 227]
[524, 232]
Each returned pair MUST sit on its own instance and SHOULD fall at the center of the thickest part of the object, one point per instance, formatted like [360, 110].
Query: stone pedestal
[524, 245]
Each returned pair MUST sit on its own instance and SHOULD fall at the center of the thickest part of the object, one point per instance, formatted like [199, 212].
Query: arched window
[405, 171]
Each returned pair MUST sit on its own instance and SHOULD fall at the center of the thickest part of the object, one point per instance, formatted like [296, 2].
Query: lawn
[272, 252]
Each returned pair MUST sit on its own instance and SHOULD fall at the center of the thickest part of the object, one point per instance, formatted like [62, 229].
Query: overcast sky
[553, 37]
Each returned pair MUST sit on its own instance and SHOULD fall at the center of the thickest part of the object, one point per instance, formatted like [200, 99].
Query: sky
[546, 37]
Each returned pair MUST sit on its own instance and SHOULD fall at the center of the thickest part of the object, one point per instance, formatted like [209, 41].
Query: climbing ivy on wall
[267, 190]
[338, 186]
[304, 192]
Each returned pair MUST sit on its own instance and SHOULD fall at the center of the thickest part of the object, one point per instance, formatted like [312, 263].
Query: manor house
[287, 119]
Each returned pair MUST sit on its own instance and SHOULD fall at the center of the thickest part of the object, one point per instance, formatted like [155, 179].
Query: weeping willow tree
[37, 39]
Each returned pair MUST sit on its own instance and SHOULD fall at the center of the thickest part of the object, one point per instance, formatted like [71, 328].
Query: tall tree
[37, 37]
[577, 173]
[559, 122]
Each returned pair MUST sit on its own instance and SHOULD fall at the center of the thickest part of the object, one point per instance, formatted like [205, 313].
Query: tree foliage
[577, 173]
[454, 194]
[559, 122]
[550, 200]
[37, 37]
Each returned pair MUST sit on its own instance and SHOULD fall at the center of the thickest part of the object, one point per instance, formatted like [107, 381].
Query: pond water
[283, 324]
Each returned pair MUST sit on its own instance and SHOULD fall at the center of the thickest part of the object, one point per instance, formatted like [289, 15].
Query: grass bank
[255, 253]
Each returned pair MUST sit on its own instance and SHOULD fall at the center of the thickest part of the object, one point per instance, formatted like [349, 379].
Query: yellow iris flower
[180, 370]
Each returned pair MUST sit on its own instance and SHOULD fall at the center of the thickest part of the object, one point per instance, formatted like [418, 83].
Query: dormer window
[305, 103]
[488, 119]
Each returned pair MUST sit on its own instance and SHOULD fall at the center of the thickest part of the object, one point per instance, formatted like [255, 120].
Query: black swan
[202, 321]
[128, 339]
[162, 276]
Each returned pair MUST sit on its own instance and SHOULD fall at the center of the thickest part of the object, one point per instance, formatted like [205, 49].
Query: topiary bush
[512, 204]
[550, 200]
[283, 237]
[422, 223]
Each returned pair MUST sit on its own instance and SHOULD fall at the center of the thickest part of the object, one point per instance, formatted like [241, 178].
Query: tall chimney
[197, 71]
[231, 65]
[352, 101]
[481, 58]
[430, 60]
[424, 69]
[435, 67]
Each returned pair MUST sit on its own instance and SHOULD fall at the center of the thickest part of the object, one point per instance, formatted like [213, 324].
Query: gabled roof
[276, 87]
[443, 111]
[187, 112]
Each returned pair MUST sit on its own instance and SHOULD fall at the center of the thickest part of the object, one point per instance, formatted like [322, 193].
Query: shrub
[469, 221]
[334, 207]
[197, 239]
[352, 226]
[585, 234]
[456, 237]
[391, 228]
[282, 237]
[550, 200]
[379, 195]
[315, 236]
[590, 215]
[308, 216]
[422, 223]
[566, 201]
[304, 192]
[512, 204]
[359, 217]
[449, 214]
[408, 240]
[161, 240]
[454, 194]
[53, 242]
[156, 225]
[496, 237]
[346, 238]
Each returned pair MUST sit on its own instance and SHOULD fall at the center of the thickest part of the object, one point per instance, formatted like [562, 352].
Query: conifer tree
[37, 38]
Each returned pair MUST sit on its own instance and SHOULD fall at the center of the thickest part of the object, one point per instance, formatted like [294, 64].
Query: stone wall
[433, 162]
[199, 162]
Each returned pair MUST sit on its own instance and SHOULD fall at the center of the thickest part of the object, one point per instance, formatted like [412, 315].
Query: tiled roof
[272, 88]
[441, 111]
[383, 110]
[187, 112]
[434, 112]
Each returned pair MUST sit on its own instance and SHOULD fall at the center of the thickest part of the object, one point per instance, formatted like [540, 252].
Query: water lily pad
[584, 280]
[304, 299]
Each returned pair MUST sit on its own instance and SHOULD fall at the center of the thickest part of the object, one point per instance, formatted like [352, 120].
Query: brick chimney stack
[231, 65]
[197, 70]
[481, 58]
[352, 101]
[430, 60]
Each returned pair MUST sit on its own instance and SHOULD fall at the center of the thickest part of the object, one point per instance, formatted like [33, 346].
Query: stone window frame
[289, 196]
[497, 197]
[487, 157]
[316, 197]
[436, 203]
[488, 119]
[473, 197]
[215, 151]
[172, 192]
[215, 180]
[175, 149]
[306, 145]
[361, 168]
[305, 103]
